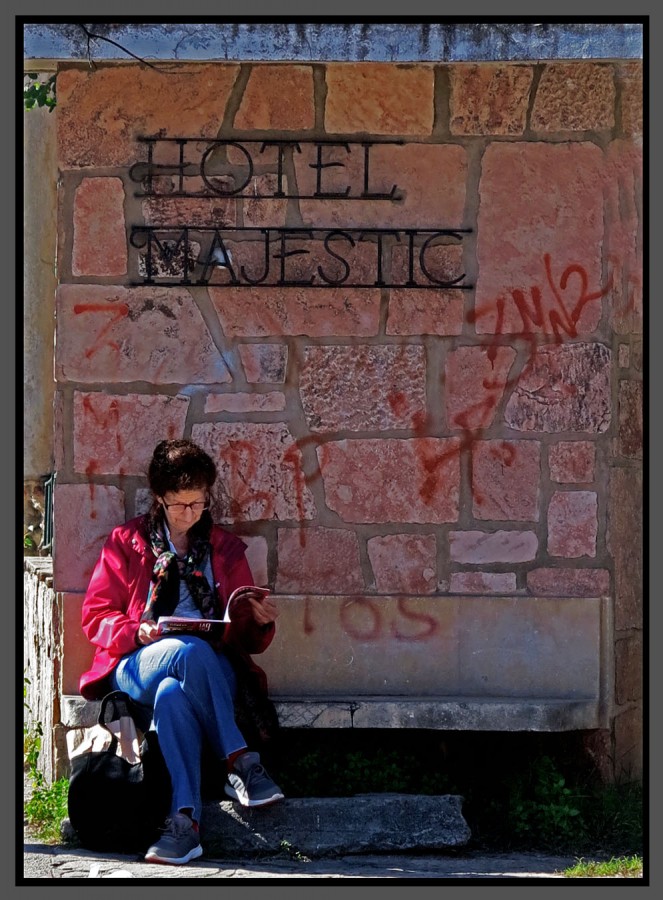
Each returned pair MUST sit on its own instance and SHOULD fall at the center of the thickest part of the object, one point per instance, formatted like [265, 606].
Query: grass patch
[616, 867]
[46, 809]
[47, 806]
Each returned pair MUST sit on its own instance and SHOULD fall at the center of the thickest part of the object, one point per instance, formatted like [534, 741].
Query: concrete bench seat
[443, 713]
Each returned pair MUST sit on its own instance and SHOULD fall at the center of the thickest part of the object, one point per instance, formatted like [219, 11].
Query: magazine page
[241, 591]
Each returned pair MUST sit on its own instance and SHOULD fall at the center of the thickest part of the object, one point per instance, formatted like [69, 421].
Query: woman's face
[183, 508]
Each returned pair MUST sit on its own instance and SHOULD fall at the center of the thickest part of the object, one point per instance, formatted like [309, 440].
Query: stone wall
[439, 445]
[42, 659]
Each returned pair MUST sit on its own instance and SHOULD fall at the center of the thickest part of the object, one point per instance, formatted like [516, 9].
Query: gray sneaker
[178, 844]
[250, 784]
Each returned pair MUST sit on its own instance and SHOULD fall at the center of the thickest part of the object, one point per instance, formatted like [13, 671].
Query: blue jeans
[190, 688]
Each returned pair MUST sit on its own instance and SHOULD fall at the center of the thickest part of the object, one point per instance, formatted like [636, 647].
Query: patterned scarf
[164, 593]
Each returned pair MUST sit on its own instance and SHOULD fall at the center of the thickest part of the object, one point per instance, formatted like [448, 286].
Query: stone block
[566, 582]
[256, 555]
[572, 461]
[106, 426]
[630, 419]
[84, 516]
[629, 668]
[102, 110]
[217, 211]
[99, 233]
[115, 334]
[425, 312]
[264, 363]
[629, 78]
[625, 545]
[274, 401]
[308, 561]
[430, 181]
[78, 652]
[277, 98]
[574, 96]
[539, 252]
[563, 388]
[506, 480]
[392, 480]
[573, 523]
[260, 469]
[629, 745]
[489, 99]
[358, 646]
[478, 547]
[404, 563]
[623, 202]
[379, 98]
[475, 379]
[363, 387]
[256, 312]
[327, 826]
[483, 583]
[42, 652]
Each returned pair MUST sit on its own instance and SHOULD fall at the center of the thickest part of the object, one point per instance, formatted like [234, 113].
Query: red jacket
[117, 592]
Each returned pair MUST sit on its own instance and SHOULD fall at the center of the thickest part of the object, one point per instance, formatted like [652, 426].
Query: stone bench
[448, 713]
[430, 713]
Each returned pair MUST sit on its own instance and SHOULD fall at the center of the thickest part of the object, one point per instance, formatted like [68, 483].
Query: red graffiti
[363, 604]
[420, 423]
[240, 460]
[292, 457]
[90, 470]
[318, 441]
[309, 628]
[363, 619]
[398, 402]
[561, 318]
[505, 453]
[428, 621]
[117, 311]
[109, 420]
[432, 463]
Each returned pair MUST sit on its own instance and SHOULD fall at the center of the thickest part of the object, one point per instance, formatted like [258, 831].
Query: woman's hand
[147, 633]
[264, 609]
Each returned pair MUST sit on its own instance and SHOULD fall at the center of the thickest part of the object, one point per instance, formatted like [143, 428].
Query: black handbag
[119, 786]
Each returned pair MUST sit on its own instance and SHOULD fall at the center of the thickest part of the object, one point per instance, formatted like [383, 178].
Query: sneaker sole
[192, 854]
[244, 800]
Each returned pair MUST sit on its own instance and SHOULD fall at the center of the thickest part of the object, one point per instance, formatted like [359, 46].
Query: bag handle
[119, 697]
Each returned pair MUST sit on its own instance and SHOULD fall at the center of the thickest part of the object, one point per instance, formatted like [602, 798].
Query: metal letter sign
[219, 253]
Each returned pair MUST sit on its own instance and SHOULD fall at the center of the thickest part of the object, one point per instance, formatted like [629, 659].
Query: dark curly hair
[179, 465]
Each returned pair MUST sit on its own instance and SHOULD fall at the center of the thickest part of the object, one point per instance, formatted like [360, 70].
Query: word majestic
[295, 257]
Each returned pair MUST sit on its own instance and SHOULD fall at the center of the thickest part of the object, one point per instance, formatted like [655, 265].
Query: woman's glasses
[197, 506]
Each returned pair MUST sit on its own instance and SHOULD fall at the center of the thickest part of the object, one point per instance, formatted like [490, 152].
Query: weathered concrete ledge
[446, 713]
[349, 41]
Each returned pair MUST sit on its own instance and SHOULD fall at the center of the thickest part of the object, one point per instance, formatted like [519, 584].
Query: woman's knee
[194, 657]
[168, 696]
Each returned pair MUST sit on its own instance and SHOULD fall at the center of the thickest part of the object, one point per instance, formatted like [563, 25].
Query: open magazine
[207, 627]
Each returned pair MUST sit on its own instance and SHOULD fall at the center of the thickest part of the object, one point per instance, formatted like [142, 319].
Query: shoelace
[175, 826]
[257, 769]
